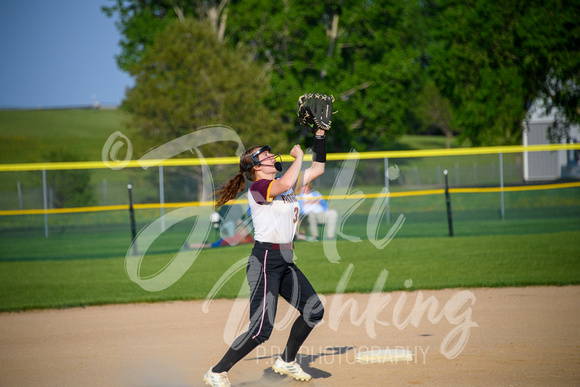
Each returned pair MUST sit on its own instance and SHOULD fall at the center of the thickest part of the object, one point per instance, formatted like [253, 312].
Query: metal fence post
[105, 192]
[45, 200]
[161, 198]
[132, 220]
[19, 186]
[502, 209]
[387, 190]
[448, 202]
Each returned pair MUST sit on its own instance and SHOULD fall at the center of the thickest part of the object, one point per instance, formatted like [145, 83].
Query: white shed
[547, 165]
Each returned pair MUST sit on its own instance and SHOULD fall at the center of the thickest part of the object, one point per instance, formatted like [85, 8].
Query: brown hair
[236, 184]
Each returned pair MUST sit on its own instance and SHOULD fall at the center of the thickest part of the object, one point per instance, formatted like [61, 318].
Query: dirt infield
[513, 336]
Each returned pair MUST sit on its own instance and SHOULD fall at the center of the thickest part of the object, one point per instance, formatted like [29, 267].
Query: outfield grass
[114, 241]
[107, 234]
[82, 262]
[431, 263]
[28, 136]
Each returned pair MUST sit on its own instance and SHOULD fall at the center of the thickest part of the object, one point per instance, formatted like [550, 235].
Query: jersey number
[295, 215]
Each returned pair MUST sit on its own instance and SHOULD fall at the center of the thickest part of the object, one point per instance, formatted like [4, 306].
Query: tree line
[469, 68]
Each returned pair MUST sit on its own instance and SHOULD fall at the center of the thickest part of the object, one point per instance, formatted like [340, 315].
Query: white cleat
[291, 369]
[216, 380]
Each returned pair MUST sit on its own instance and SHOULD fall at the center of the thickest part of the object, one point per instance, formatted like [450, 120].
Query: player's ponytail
[237, 183]
[229, 191]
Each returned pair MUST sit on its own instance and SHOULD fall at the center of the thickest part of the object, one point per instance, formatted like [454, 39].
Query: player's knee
[316, 317]
[313, 312]
[263, 336]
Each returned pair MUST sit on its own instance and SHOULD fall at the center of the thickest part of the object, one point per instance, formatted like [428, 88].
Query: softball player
[270, 270]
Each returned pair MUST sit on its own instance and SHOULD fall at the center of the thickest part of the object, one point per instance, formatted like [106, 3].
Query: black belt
[276, 246]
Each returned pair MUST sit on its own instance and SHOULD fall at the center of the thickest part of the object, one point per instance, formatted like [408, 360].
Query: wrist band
[319, 149]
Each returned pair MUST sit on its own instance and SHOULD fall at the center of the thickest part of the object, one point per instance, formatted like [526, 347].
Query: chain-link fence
[82, 209]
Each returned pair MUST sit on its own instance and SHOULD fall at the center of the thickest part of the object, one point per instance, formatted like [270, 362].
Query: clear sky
[59, 53]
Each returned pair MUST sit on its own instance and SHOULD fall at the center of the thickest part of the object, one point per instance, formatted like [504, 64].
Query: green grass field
[28, 136]
[82, 262]
[431, 263]
[107, 234]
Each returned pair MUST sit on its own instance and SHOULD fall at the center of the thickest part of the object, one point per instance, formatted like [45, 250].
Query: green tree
[492, 59]
[383, 67]
[435, 111]
[139, 22]
[187, 79]
[367, 54]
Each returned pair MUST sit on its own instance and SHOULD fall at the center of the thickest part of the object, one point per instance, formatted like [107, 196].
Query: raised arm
[318, 160]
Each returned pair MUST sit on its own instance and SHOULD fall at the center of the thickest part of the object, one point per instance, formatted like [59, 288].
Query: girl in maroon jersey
[271, 270]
